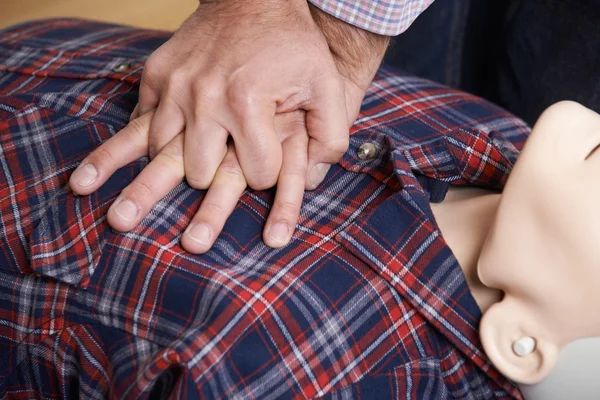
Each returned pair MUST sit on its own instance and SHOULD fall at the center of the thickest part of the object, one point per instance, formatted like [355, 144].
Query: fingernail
[85, 175]
[279, 232]
[199, 233]
[318, 174]
[126, 209]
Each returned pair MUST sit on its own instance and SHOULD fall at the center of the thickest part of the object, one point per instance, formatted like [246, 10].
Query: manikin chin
[531, 256]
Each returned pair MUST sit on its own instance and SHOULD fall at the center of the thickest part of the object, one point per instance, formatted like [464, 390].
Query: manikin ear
[503, 325]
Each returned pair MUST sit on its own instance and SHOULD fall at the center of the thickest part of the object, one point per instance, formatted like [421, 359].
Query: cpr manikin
[531, 256]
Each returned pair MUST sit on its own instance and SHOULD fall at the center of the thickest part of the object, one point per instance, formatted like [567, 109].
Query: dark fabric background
[522, 54]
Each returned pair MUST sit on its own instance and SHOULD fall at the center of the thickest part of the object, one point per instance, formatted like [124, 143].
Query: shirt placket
[68, 64]
[401, 241]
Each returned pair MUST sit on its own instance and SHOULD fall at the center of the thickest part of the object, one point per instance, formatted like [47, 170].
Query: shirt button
[120, 68]
[367, 151]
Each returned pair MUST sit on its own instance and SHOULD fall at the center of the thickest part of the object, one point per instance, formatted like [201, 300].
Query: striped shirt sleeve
[385, 17]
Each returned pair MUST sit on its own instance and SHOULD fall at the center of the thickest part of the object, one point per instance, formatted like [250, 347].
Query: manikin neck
[465, 218]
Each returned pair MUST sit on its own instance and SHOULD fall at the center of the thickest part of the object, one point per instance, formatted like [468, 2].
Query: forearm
[384, 17]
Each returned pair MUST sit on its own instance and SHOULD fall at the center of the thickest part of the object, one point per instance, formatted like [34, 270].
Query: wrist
[358, 53]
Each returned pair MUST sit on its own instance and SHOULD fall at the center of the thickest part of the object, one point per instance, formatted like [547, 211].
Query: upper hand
[227, 71]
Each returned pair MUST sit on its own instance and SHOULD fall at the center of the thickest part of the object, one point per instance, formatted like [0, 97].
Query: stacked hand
[282, 81]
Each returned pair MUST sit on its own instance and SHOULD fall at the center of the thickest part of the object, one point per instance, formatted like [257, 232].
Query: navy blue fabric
[523, 55]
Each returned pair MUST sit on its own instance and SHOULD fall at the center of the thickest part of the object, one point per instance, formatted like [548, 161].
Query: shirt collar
[401, 241]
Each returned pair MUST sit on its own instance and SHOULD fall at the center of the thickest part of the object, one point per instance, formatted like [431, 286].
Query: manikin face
[543, 250]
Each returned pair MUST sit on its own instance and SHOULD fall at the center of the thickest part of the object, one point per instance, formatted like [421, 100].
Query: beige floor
[158, 14]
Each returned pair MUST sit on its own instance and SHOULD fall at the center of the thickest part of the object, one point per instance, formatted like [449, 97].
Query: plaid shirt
[385, 17]
[367, 301]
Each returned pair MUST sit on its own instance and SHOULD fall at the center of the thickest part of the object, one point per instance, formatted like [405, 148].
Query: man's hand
[228, 71]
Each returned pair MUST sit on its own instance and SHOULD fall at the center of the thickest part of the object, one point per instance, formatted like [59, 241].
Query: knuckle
[147, 88]
[262, 181]
[232, 175]
[153, 60]
[174, 163]
[174, 152]
[296, 170]
[137, 130]
[198, 183]
[177, 82]
[336, 148]
[232, 169]
[241, 95]
[101, 156]
[140, 189]
[287, 210]
[152, 68]
[205, 91]
[214, 209]
[296, 126]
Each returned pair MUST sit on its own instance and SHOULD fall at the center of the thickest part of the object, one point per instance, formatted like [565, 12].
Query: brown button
[367, 151]
[120, 68]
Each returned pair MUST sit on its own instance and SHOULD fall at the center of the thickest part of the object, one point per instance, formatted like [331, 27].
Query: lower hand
[166, 171]
[229, 69]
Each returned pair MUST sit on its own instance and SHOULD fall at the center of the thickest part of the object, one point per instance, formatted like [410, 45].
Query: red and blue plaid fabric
[385, 17]
[366, 302]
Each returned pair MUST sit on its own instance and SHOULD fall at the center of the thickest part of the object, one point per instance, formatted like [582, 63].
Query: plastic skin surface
[531, 254]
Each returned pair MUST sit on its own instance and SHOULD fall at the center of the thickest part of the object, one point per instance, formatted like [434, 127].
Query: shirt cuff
[385, 17]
